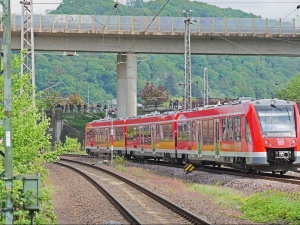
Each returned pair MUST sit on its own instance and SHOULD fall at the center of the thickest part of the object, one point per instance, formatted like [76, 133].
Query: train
[249, 135]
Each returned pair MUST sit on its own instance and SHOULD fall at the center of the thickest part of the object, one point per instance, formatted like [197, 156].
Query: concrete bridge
[130, 35]
[139, 34]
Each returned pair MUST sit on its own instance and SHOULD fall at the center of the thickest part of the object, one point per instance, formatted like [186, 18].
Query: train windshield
[277, 120]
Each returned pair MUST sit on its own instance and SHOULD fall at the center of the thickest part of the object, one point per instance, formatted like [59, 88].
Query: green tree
[292, 91]
[29, 137]
[171, 84]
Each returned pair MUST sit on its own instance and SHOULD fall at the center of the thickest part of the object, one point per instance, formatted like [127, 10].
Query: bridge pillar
[126, 85]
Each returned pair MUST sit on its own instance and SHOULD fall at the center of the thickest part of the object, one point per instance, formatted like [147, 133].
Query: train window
[166, 132]
[277, 120]
[106, 136]
[237, 128]
[224, 129]
[119, 135]
[211, 131]
[199, 133]
[191, 131]
[136, 134]
[90, 135]
[161, 133]
[217, 131]
[147, 135]
[248, 134]
[102, 135]
[205, 132]
[230, 129]
[182, 132]
[130, 133]
[170, 132]
[97, 136]
[157, 132]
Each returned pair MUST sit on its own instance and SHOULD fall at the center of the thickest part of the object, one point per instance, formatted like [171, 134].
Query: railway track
[139, 205]
[265, 176]
[229, 171]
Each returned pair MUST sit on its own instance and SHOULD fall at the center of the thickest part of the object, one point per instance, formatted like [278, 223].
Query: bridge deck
[159, 26]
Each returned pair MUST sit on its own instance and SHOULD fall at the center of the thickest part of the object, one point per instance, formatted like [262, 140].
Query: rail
[161, 25]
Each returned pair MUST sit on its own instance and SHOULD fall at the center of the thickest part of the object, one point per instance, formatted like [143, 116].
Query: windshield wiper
[288, 112]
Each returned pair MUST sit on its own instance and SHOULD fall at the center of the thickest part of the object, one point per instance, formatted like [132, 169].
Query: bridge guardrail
[172, 25]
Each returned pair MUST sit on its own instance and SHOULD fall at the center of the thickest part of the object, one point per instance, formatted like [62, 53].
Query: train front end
[276, 135]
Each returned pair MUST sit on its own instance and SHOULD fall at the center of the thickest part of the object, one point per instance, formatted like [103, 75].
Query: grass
[263, 207]
[221, 195]
[271, 207]
[119, 163]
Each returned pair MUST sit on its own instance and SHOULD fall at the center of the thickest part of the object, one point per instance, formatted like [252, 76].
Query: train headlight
[270, 144]
[293, 141]
[266, 142]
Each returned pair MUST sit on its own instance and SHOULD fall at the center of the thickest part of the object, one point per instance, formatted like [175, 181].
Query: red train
[257, 135]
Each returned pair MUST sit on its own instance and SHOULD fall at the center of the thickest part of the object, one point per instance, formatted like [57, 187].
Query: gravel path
[71, 208]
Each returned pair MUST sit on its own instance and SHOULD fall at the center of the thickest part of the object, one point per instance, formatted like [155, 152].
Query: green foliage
[146, 8]
[29, 138]
[120, 163]
[50, 99]
[273, 207]
[292, 91]
[229, 76]
[78, 121]
[72, 145]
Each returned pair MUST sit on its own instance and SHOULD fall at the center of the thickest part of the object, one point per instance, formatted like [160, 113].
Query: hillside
[229, 76]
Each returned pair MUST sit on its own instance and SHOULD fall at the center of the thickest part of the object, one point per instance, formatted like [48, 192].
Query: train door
[200, 142]
[141, 138]
[217, 139]
[153, 138]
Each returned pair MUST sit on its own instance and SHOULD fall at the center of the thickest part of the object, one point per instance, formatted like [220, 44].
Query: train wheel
[273, 172]
[219, 166]
[254, 172]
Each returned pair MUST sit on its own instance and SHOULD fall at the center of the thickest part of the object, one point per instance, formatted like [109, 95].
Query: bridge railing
[173, 25]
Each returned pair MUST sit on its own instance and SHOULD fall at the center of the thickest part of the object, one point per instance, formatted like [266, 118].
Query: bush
[273, 207]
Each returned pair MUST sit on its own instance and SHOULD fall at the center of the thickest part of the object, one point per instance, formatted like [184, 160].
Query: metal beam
[187, 101]
[8, 175]
[27, 41]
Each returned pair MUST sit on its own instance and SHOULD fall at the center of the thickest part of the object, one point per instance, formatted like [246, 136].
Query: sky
[265, 8]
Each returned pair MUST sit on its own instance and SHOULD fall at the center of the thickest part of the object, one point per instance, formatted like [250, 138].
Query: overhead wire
[150, 23]
[114, 11]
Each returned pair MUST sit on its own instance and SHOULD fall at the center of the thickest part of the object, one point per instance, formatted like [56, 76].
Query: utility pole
[187, 98]
[205, 88]
[7, 121]
[27, 41]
